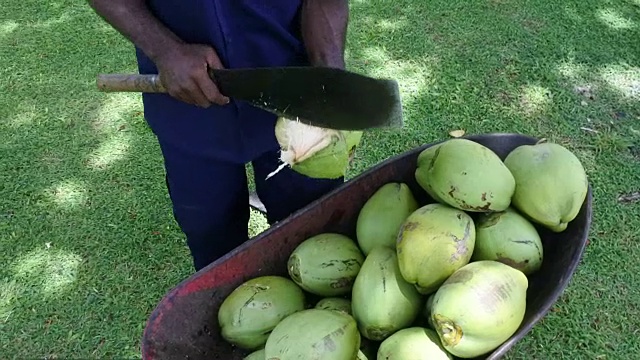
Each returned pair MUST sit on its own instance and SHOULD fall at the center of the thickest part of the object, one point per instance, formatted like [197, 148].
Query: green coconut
[415, 343]
[256, 355]
[428, 305]
[551, 181]
[479, 307]
[510, 238]
[381, 217]
[465, 175]
[353, 139]
[336, 304]
[382, 301]
[314, 334]
[314, 151]
[434, 241]
[254, 308]
[325, 264]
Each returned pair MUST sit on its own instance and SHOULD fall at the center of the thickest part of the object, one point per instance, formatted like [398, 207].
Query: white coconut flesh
[299, 141]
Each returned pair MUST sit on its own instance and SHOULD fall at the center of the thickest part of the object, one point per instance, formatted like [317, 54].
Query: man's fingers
[204, 90]
[200, 99]
[186, 76]
[212, 59]
[191, 90]
[210, 90]
[207, 85]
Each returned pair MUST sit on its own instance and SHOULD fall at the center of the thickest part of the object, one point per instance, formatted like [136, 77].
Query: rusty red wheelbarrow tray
[184, 324]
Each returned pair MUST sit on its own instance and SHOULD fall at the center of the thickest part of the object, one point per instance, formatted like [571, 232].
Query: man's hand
[182, 67]
[183, 72]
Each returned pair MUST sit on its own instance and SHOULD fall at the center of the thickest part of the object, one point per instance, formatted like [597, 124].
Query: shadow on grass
[98, 199]
[89, 242]
[567, 71]
[554, 70]
[495, 65]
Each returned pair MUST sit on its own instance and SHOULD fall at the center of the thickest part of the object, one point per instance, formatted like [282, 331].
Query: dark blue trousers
[211, 199]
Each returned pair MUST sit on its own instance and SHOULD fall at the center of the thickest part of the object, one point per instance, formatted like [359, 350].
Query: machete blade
[319, 96]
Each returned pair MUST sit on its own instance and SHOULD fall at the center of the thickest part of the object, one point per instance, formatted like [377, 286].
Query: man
[206, 138]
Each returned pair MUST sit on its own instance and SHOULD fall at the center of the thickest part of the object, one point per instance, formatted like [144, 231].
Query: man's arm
[135, 22]
[324, 30]
[182, 67]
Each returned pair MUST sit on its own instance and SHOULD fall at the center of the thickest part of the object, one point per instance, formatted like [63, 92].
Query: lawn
[89, 244]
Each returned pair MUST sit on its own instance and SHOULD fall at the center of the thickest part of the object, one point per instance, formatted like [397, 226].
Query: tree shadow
[83, 203]
[108, 211]
[500, 66]
[89, 241]
[471, 66]
[565, 71]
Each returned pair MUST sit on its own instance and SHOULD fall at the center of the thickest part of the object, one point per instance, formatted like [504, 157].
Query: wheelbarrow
[184, 324]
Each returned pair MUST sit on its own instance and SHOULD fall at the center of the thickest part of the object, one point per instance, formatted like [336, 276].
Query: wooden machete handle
[130, 83]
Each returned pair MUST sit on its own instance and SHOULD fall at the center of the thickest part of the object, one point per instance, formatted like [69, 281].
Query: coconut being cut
[314, 151]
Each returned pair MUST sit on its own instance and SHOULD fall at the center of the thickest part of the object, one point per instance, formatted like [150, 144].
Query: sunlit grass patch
[534, 99]
[115, 148]
[7, 27]
[47, 270]
[615, 19]
[68, 194]
[625, 80]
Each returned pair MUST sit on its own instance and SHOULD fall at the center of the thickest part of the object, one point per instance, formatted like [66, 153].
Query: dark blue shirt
[245, 33]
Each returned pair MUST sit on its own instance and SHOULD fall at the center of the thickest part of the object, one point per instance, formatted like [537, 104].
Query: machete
[320, 96]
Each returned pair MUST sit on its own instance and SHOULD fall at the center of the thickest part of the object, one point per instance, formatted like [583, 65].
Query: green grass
[87, 236]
